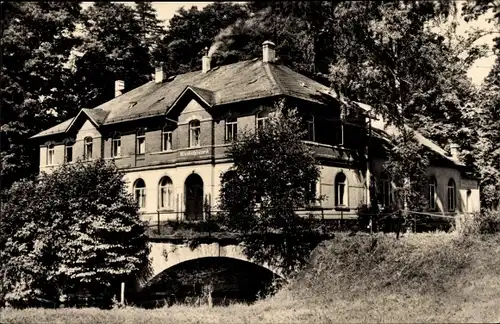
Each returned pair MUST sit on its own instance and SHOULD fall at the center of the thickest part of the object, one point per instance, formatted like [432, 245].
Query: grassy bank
[420, 278]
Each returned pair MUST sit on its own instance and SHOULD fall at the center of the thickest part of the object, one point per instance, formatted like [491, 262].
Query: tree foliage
[113, 48]
[36, 42]
[72, 231]
[271, 177]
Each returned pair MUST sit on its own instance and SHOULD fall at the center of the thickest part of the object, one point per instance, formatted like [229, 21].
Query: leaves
[74, 230]
[271, 177]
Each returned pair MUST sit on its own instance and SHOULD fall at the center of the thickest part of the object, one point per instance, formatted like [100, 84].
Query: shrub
[485, 222]
[75, 231]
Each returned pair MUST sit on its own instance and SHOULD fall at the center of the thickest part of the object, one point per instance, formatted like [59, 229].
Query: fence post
[122, 294]
[159, 227]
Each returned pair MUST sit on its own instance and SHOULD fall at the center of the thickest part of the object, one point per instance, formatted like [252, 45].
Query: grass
[443, 278]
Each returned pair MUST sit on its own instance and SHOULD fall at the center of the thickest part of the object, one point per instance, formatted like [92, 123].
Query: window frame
[116, 139]
[66, 147]
[140, 193]
[231, 123]
[310, 123]
[386, 190]
[432, 192]
[51, 151]
[166, 190]
[192, 129]
[88, 142]
[261, 119]
[140, 138]
[452, 199]
[169, 135]
[340, 201]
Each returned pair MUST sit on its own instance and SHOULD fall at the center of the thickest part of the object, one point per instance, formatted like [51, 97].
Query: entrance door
[193, 188]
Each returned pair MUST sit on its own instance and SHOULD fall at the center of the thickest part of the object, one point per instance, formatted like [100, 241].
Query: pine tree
[152, 31]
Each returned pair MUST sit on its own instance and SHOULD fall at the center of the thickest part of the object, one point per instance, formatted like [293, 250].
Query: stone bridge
[166, 254]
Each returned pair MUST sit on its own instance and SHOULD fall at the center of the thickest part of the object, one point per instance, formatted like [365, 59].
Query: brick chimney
[159, 73]
[454, 150]
[268, 52]
[119, 86]
[205, 63]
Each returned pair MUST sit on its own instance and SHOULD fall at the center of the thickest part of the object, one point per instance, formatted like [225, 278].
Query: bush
[74, 231]
[485, 222]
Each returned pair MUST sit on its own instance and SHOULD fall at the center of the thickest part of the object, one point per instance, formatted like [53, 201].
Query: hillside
[419, 278]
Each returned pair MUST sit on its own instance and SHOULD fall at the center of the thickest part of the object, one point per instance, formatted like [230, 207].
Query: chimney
[454, 150]
[205, 64]
[268, 52]
[119, 86]
[159, 73]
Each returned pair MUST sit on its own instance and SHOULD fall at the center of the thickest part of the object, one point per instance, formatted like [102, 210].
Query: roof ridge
[272, 78]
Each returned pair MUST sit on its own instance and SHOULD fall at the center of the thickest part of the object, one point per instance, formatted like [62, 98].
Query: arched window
[166, 194]
[194, 133]
[340, 189]
[432, 193]
[140, 193]
[50, 154]
[166, 139]
[87, 149]
[386, 190]
[116, 144]
[468, 207]
[141, 142]
[262, 117]
[452, 195]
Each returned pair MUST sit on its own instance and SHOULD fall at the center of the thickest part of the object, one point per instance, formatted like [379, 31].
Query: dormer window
[50, 154]
[141, 142]
[166, 140]
[194, 133]
[87, 149]
[116, 144]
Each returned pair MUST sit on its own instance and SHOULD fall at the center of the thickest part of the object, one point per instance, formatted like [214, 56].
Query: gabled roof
[252, 79]
[384, 130]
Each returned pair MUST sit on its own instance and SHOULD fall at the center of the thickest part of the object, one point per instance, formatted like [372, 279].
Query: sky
[478, 72]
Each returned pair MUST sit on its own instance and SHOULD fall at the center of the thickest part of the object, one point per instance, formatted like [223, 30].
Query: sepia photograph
[250, 162]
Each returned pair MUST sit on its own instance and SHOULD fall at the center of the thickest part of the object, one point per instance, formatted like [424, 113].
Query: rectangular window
[87, 150]
[386, 193]
[194, 133]
[116, 147]
[432, 196]
[310, 136]
[141, 143]
[69, 153]
[50, 155]
[231, 129]
[166, 141]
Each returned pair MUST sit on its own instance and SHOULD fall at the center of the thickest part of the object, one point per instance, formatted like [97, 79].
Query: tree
[113, 49]
[191, 31]
[37, 38]
[152, 30]
[487, 147]
[275, 171]
[72, 231]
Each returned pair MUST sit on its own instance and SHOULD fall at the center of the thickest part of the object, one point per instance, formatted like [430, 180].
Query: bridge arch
[166, 255]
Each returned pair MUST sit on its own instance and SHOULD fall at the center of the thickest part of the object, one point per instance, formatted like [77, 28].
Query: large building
[170, 137]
